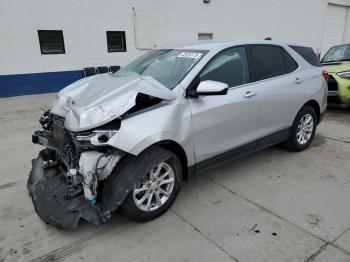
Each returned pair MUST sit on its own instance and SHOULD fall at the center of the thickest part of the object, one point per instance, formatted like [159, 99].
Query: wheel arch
[314, 104]
[178, 150]
[126, 174]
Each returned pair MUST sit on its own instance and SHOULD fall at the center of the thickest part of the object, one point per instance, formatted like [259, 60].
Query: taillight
[325, 75]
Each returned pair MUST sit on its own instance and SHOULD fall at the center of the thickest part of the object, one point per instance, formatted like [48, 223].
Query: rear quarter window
[308, 54]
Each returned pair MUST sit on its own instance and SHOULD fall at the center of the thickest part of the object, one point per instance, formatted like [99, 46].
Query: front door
[224, 122]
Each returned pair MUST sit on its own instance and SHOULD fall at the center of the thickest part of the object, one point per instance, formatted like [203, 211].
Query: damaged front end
[66, 177]
[82, 135]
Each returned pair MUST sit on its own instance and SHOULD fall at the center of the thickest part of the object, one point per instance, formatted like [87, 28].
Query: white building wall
[336, 24]
[158, 22]
[347, 28]
[84, 24]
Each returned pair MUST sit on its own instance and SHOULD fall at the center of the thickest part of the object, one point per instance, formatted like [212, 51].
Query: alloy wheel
[305, 129]
[156, 188]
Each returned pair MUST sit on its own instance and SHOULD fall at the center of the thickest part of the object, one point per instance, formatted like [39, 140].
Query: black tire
[292, 144]
[148, 161]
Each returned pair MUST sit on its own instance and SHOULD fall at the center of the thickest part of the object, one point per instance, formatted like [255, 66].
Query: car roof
[213, 46]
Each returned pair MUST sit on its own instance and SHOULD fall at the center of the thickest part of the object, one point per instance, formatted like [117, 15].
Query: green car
[337, 63]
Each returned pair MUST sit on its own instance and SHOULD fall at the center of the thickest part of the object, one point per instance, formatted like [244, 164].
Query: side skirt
[241, 151]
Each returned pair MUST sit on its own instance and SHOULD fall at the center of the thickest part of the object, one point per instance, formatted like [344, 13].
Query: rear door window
[271, 61]
[268, 62]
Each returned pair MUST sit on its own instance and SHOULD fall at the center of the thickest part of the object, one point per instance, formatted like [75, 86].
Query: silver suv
[128, 139]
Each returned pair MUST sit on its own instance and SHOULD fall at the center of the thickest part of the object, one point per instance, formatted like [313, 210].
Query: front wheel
[158, 189]
[303, 130]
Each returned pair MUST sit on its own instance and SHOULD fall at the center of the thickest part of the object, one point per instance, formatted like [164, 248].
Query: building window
[116, 41]
[205, 36]
[51, 42]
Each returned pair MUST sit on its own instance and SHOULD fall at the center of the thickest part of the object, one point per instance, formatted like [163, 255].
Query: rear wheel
[303, 129]
[158, 189]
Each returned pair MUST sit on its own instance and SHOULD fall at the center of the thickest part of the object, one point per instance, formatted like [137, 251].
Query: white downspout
[135, 32]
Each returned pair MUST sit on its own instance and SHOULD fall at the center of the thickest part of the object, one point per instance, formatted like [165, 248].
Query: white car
[128, 139]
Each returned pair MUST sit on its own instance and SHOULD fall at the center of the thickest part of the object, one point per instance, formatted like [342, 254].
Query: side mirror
[211, 88]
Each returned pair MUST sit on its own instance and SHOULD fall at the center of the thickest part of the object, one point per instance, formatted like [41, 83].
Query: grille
[332, 84]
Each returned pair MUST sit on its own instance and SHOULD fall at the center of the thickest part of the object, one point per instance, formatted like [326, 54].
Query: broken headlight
[97, 137]
[101, 135]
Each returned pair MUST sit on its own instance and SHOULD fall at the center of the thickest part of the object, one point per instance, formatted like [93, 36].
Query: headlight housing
[101, 135]
[97, 137]
[345, 74]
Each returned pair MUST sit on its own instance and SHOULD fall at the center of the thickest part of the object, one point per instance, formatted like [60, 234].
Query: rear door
[279, 86]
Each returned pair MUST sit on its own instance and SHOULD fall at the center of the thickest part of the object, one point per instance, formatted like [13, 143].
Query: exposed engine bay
[65, 177]
[66, 180]
[94, 126]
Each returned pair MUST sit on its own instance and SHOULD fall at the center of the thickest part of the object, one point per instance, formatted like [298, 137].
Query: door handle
[250, 94]
[298, 80]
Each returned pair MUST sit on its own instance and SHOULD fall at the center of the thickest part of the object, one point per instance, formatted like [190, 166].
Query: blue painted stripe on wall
[37, 83]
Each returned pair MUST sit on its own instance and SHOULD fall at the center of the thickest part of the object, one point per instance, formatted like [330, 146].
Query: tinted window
[308, 54]
[116, 41]
[290, 63]
[268, 62]
[230, 67]
[51, 42]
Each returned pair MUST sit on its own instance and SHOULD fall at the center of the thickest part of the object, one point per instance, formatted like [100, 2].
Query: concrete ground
[270, 206]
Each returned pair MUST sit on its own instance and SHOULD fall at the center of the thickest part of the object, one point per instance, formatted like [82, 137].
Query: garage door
[335, 23]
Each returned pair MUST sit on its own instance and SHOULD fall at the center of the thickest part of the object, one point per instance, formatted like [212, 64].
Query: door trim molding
[240, 151]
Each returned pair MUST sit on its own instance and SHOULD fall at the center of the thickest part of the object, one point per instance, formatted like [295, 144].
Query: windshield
[336, 54]
[167, 66]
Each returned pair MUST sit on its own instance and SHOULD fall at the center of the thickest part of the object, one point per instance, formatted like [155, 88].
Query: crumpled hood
[97, 100]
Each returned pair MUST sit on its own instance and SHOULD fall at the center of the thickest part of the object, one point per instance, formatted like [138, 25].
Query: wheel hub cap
[156, 188]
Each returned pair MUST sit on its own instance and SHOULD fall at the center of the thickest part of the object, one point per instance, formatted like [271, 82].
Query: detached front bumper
[57, 203]
[69, 177]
